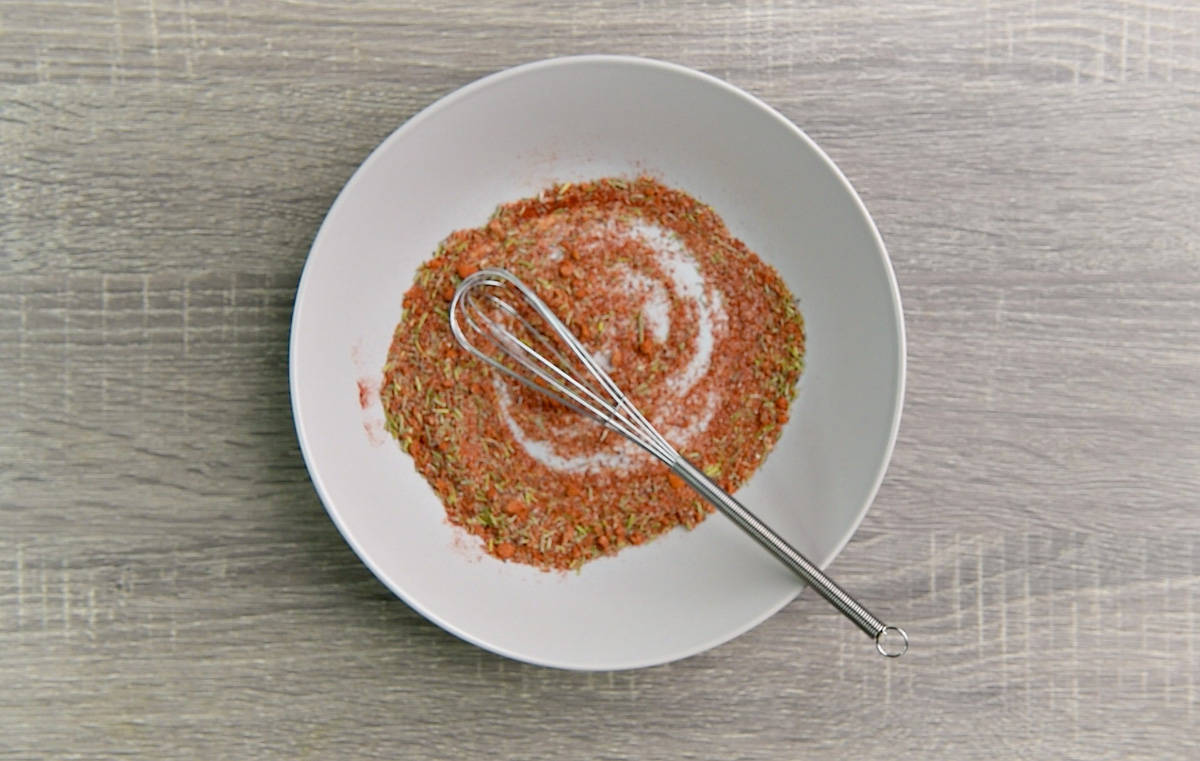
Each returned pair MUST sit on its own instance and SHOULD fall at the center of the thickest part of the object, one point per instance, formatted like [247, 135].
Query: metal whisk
[542, 354]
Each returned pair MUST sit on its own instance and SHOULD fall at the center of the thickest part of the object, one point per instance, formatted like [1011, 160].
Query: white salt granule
[689, 284]
[656, 312]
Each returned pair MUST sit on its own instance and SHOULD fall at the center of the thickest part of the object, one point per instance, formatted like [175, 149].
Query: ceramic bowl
[508, 136]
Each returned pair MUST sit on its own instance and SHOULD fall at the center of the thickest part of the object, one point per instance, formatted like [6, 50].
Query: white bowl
[505, 137]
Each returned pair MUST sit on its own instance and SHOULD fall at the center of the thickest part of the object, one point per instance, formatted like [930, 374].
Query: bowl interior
[506, 137]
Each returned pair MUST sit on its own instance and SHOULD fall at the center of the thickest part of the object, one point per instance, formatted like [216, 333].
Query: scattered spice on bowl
[701, 334]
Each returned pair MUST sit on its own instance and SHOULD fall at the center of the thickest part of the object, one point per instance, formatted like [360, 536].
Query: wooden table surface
[170, 586]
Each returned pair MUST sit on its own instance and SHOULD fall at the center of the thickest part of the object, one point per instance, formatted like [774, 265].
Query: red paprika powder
[702, 335]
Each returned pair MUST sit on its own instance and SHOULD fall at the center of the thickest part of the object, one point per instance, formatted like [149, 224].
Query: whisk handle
[889, 640]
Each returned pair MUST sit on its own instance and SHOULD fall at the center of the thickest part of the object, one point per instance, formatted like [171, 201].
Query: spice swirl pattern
[704, 336]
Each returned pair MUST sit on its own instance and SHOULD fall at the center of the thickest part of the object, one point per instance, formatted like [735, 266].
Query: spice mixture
[701, 334]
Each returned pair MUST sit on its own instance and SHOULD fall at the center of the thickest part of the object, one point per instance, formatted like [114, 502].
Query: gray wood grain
[171, 588]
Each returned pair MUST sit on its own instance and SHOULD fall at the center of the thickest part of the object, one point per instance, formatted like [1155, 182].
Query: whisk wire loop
[606, 404]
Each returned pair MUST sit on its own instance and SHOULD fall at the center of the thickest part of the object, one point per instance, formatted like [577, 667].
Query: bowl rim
[467, 91]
